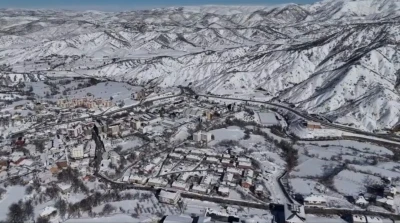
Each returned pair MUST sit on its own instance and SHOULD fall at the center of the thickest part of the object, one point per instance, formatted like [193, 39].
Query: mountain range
[337, 58]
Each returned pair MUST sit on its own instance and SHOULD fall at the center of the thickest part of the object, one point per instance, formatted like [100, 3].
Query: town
[78, 147]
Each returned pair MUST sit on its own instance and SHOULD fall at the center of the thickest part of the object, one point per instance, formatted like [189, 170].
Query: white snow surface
[335, 57]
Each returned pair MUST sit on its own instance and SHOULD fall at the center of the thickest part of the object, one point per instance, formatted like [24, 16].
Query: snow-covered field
[13, 195]
[312, 167]
[359, 146]
[353, 183]
[121, 218]
[108, 90]
[230, 133]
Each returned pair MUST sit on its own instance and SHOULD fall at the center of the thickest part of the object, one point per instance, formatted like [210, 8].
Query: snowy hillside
[339, 58]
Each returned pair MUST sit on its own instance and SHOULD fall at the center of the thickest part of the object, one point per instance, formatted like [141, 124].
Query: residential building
[313, 125]
[114, 157]
[149, 168]
[259, 190]
[244, 165]
[386, 202]
[193, 157]
[177, 156]
[228, 177]
[212, 160]
[202, 136]
[77, 152]
[206, 136]
[247, 183]
[157, 182]
[169, 197]
[227, 163]
[206, 180]
[114, 129]
[62, 165]
[294, 213]
[201, 189]
[390, 190]
[314, 200]
[373, 219]
[234, 171]
[178, 219]
[359, 219]
[64, 188]
[75, 131]
[361, 201]
[137, 179]
[180, 185]
[249, 173]
[47, 211]
[154, 121]
[197, 136]
[223, 191]
[136, 124]
[146, 129]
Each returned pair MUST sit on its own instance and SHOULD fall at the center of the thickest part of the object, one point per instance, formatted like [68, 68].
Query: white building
[234, 171]
[315, 200]
[178, 219]
[145, 129]
[175, 156]
[169, 197]
[197, 136]
[390, 190]
[294, 213]
[114, 130]
[47, 211]
[359, 219]
[193, 157]
[137, 179]
[157, 182]
[137, 124]
[206, 136]
[224, 191]
[244, 165]
[114, 157]
[201, 189]
[75, 131]
[77, 152]
[212, 160]
[180, 185]
[373, 219]
[154, 121]
[202, 136]
[361, 201]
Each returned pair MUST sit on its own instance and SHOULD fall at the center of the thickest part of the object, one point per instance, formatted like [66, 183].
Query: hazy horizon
[122, 5]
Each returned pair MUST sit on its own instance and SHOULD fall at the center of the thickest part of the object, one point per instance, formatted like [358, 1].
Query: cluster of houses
[216, 173]
[88, 103]
[386, 200]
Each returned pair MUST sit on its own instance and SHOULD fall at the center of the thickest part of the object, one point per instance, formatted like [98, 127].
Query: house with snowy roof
[390, 190]
[315, 200]
[169, 197]
[361, 201]
[359, 219]
[294, 213]
[386, 202]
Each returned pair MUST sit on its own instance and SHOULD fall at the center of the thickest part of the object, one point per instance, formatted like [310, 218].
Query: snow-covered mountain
[339, 58]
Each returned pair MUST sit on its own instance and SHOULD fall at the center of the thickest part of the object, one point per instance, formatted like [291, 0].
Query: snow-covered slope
[339, 58]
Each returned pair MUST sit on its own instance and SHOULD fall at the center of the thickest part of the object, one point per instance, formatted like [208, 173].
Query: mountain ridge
[324, 58]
